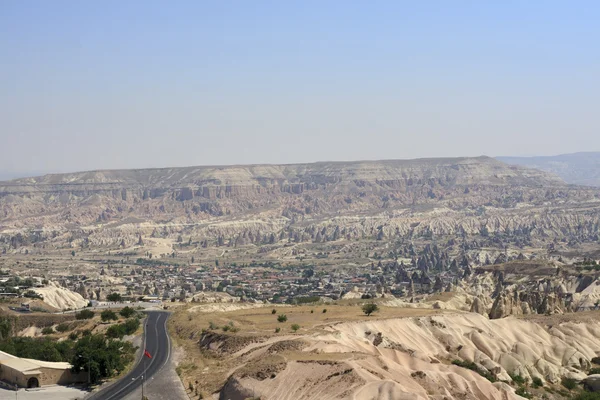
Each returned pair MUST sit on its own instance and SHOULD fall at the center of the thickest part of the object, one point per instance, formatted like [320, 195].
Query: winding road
[156, 339]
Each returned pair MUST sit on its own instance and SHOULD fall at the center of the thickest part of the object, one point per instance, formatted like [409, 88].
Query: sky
[135, 84]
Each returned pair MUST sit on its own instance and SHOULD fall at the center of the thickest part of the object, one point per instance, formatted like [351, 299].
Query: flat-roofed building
[25, 372]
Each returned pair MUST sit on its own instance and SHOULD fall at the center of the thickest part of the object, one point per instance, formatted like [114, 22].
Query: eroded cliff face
[409, 358]
[242, 205]
[524, 288]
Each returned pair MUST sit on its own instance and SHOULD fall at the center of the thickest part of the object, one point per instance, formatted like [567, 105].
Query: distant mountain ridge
[242, 205]
[575, 168]
[448, 171]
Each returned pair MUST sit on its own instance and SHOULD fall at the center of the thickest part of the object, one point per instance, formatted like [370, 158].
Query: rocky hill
[576, 168]
[238, 205]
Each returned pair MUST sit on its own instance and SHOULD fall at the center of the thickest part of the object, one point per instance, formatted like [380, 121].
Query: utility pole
[143, 376]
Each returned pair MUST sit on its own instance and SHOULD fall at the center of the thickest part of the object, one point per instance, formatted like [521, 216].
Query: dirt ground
[207, 372]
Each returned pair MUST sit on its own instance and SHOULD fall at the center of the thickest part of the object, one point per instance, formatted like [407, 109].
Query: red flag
[147, 354]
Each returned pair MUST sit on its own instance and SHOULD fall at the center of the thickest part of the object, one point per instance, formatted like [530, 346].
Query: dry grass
[554, 319]
[208, 371]
[261, 321]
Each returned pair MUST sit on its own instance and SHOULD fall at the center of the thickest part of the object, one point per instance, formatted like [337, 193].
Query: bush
[273, 311]
[587, 396]
[324, 310]
[569, 383]
[213, 326]
[127, 312]
[47, 330]
[282, 318]
[596, 360]
[523, 393]
[537, 382]
[594, 371]
[295, 327]
[518, 379]
[473, 367]
[85, 314]
[108, 315]
[115, 331]
[114, 297]
[277, 330]
[370, 308]
[63, 327]
[127, 328]
[312, 311]
[73, 336]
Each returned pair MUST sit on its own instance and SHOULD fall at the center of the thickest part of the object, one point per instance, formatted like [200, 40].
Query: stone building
[29, 373]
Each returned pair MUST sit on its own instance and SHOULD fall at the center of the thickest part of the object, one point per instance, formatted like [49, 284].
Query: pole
[143, 375]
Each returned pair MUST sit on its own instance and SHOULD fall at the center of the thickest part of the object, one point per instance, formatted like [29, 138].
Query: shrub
[523, 393]
[295, 327]
[213, 326]
[569, 383]
[312, 311]
[277, 330]
[596, 360]
[587, 396]
[537, 382]
[127, 312]
[63, 327]
[518, 379]
[73, 336]
[108, 315]
[85, 314]
[324, 310]
[127, 328]
[226, 328]
[115, 331]
[273, 311]
[594, 371]
[47, 330]
[473, 367]
[282, 318]
[370, 308]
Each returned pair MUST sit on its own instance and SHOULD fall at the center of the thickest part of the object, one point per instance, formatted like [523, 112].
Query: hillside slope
[576, 168]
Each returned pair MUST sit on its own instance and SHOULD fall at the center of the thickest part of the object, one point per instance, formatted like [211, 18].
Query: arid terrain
[485, 274]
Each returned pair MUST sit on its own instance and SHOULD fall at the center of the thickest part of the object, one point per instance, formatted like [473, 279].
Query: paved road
[158, 345]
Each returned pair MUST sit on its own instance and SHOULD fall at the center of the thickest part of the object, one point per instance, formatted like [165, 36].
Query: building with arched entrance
[28, 373]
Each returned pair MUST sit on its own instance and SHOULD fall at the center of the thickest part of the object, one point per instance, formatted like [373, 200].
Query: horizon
[205, 83]
[9, 175]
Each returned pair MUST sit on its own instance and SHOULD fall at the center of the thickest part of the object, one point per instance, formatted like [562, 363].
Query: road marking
[148, 366]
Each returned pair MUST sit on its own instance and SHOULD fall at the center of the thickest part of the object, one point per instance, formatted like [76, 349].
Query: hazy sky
[124, 84]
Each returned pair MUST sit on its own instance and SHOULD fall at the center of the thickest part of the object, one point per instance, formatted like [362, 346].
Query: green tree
[127, 312]
[108, 315]
[101, 357]
[5, 327]
[295, 327]
[370, 308]
[85, 314]
[114, 297]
